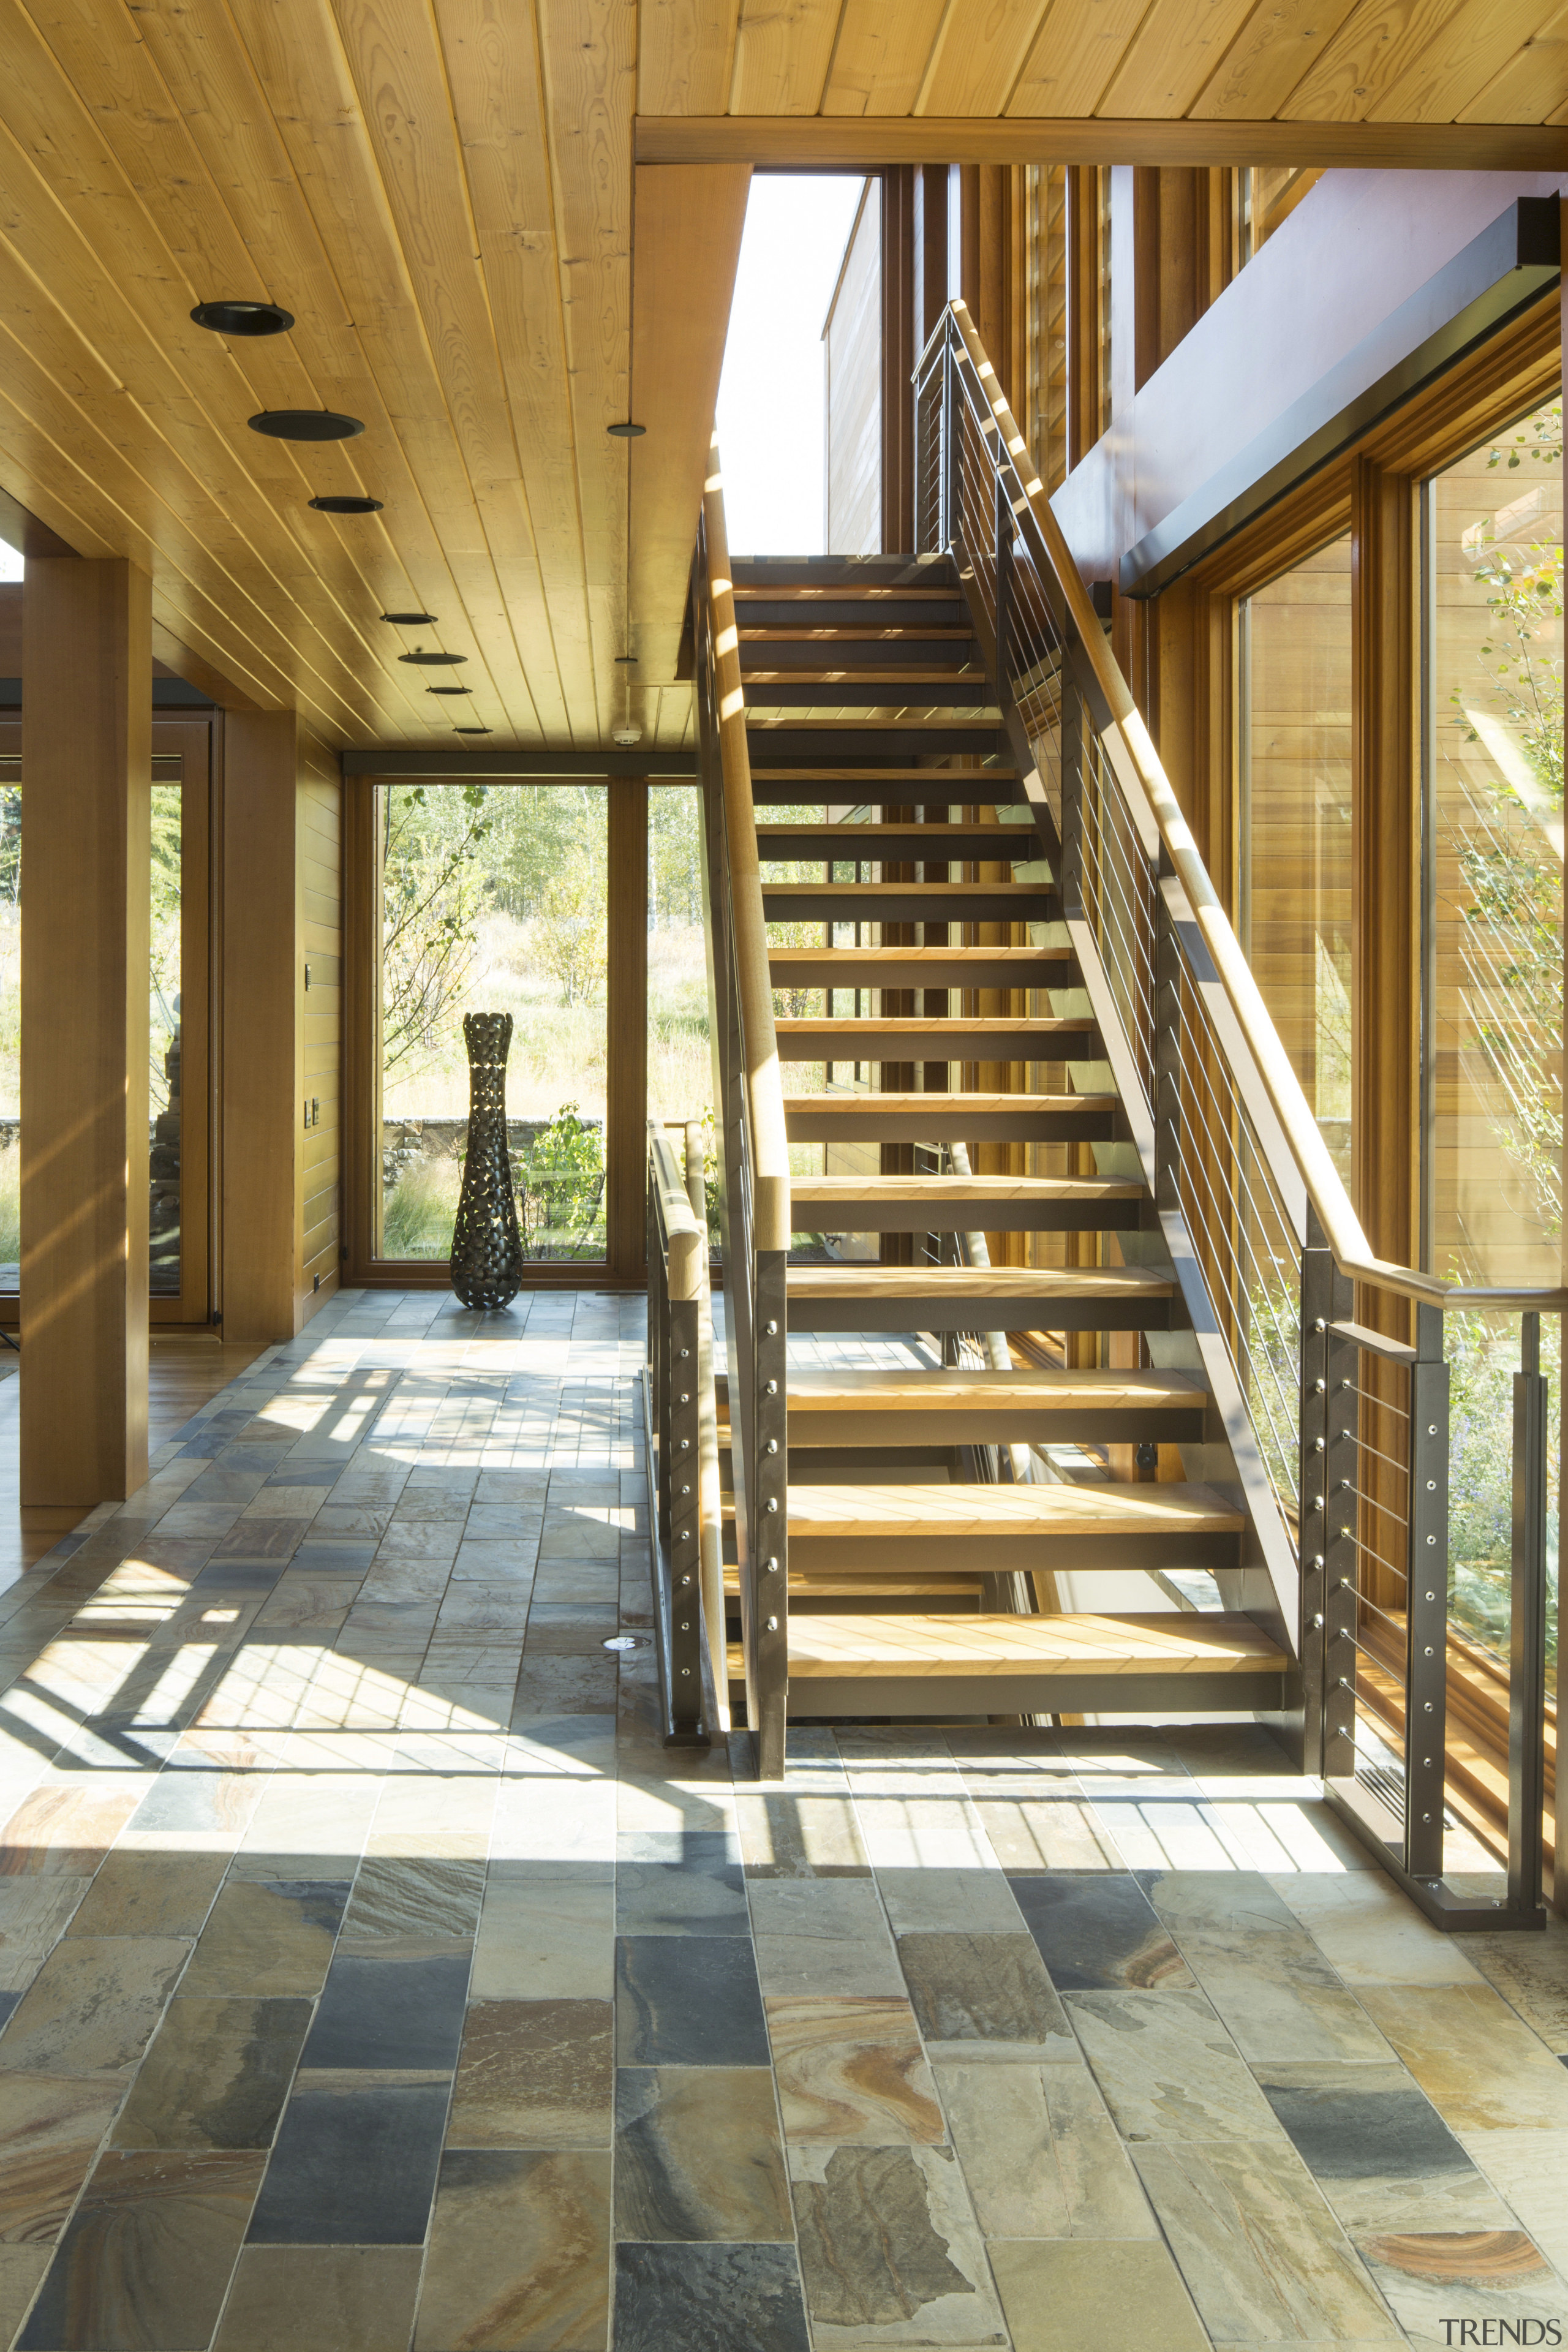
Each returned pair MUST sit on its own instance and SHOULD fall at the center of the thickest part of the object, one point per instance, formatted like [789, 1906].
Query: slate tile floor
[375, 1982]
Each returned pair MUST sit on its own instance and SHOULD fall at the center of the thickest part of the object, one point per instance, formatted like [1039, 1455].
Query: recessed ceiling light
[305, 425]
[621, 658]
[346, 506]
[448, 689]
[433, 660]
[243, 318]
[410, 620]
[471, 731]
[626, 432]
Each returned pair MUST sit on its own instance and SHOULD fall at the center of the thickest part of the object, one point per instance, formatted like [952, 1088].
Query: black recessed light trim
[472, 731]
[433, 660]
[448, 689]
[346, 506]
[243, 318]
[410, 620]
[621, 658]
[626, 432]
[305, 425]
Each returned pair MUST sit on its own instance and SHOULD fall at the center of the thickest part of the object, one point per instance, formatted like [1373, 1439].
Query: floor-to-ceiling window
[1491, 534]
[1294, 810]
[492, 899]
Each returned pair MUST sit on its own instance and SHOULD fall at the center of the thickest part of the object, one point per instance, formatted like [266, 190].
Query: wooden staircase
[954, 1507]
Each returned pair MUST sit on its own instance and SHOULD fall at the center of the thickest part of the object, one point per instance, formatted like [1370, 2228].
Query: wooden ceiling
[447, 195]
[1425, 62]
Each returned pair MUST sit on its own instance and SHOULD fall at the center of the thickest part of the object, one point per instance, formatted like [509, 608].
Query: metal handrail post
[1527, 1630]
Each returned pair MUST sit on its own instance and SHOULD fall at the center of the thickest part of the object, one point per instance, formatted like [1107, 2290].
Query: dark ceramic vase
[487, 1247]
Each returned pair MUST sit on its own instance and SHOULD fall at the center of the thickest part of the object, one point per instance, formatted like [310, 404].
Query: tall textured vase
[487, 1247]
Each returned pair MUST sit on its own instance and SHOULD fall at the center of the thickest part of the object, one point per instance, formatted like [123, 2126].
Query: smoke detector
[626, 736]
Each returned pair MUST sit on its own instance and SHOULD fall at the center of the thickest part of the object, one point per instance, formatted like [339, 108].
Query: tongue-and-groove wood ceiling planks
[444, 193]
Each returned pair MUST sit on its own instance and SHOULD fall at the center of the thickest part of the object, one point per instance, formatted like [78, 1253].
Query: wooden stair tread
[838, 591]
[959, 1027]
[826, 633]
[826, 1190]
[859, 1647]
[981, 1393]
[945, 1104]
[933, 1512]
[840, 774]
[1018, 961]
[903, 674]
[844, 1584]
[1041, 1283]
[855, 829]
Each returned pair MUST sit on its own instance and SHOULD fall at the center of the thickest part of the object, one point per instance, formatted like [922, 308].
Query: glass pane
[493, 900]
[1295, 807]
[164, 1090]
[1494, 953]
[679, 1062]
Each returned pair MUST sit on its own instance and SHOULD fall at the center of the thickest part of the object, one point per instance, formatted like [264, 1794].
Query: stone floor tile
[412, 1908]
[852, 2070]
[1264, 1974]
[64, 1827]
[983, 1989]
[1478, 2063]
[94, 2005]
[1097, 1932]
[302, 2298]
[1167, 2067]
[1039, 2152]
[565, 1687]
[1378, 2149]
[1372, 1934]
[890, 2253]
[51, 2126]
[534, 2074]
[354, 2164]
[1042, 1833]
[1528, 2169]
[745, 2298]
[1259, 2249]
[148, 2253]
[804, 1835]
[933, 1901]
[269, 1936]
[34, 1913]
[547, 1931]
[520, 2248]
[215, 2076]
[687, 2001]
[1531, 1974]
[698, 2156]
[390, 2013]
[1430, 2277]
[702, 1893]
[1114, 2297]
[823, 1935]
[21, 2268]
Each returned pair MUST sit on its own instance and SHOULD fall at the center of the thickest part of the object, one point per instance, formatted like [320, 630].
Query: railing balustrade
[1326, 1363]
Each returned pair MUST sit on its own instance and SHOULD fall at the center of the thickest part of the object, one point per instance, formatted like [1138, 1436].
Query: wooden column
[87, 698]
[929, 260]
[263, 1040]
[900, 349]
[626, 1087]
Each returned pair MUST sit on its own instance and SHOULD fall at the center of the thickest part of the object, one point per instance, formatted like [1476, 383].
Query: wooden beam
[688, 242]
[88, 750]
[856, 143]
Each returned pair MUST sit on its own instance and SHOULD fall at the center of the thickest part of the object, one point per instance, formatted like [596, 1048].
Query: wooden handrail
[1342, 1230]
[685, 1242]
[764, 1086]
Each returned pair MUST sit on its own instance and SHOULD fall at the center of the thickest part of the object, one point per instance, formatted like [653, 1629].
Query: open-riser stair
[976, 1527]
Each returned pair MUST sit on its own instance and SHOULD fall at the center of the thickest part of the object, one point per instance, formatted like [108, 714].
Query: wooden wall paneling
[1477, 41]
[900, 349]
[978, 55]
[1278, 46]
[685, 56]
[625, 1092]
[984, 193]
[1179, 44]
[880, 57]
[1086, 389]
[1075, 54]
[690, 219]
[855, 373]
[1369, 54]
[782, 56]
[149, 188]
[264, 97]
[87, 660]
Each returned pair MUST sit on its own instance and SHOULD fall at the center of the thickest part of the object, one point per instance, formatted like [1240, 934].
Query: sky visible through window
[10, 562]
[770, 393]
